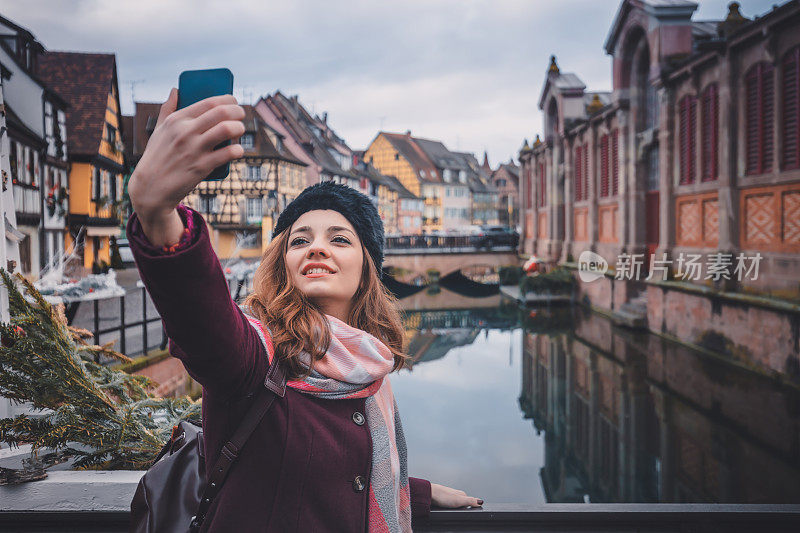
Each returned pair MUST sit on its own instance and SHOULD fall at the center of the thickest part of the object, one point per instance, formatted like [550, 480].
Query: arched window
[759, 115]
[790, 109]
[687, 108]
[709, 126]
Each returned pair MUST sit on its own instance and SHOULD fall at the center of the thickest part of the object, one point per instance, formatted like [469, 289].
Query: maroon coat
[296, 472]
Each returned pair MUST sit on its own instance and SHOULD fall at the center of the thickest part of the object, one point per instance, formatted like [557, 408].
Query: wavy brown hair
[297, 324]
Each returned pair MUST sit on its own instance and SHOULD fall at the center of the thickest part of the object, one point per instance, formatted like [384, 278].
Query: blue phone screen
[196, 85]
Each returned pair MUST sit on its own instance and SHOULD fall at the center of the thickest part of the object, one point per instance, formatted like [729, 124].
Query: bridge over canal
[407, 258]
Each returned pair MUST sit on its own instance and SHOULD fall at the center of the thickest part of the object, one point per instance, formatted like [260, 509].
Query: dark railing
[122, 327]
[442, 244]
[428, 241]
[498, 517]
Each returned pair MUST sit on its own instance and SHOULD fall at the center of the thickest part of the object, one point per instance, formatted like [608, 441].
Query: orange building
[88, 82]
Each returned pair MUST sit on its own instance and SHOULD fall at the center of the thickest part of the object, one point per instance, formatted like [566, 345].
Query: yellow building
[398, 155]
[88, 82]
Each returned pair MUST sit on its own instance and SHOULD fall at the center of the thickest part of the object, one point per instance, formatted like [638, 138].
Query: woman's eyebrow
[302, 228]
[339, 228]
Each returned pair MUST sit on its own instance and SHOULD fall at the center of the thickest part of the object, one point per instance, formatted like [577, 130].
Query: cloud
[466, 72]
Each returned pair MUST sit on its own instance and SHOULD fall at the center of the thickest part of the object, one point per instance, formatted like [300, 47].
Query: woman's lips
[318, 274]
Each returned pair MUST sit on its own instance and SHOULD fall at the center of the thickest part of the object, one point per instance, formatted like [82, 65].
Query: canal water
[528, 406]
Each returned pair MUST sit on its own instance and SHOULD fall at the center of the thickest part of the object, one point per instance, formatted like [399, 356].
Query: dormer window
[111, 133]
[247, 141]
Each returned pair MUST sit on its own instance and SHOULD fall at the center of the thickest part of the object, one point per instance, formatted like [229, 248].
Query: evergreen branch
[100, 417]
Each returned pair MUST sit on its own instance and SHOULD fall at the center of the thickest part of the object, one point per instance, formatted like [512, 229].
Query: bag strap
[274, 385]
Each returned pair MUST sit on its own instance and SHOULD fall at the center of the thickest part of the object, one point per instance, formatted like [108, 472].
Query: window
[246, 141]
[253, 172]
[578, 175]
[790, 109]
[500, 182]
[253, 209]
[208, 203]
[687, 107]
[397, 157]
[759, 92]
[542, 186]
[97, 184]
[604, 165]
[112, 186]
[615, 162]
[529, 181]
[709, 127]
[585, 167]
[111, 133]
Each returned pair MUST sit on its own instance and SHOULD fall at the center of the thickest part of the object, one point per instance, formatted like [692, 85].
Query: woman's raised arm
[208, 331]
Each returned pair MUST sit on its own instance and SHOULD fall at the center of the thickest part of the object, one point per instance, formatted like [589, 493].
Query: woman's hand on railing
[180, 154]
[442, 496]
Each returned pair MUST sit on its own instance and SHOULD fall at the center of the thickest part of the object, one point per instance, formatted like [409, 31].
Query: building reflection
[636, 418]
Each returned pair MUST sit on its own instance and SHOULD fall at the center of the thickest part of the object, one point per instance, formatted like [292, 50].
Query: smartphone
[196, 85]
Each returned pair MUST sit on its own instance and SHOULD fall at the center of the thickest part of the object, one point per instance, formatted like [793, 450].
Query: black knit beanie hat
[353, 205]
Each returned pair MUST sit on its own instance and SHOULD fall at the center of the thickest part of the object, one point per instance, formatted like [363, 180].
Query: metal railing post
[122, 324]
[144, 321]
[96, 329]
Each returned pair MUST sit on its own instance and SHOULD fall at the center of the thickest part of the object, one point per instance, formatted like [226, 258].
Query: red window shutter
[751, 121]
[767, 115]
[577, 174]
[790, 109]
[585, 186]
[604, 189]
[709, 116]
[542, 186]
[615, 162]
[759, 116]
[529, 175]
[688, 125]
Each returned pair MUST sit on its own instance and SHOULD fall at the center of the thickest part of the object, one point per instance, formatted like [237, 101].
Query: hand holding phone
[181, 153]
[197, 85]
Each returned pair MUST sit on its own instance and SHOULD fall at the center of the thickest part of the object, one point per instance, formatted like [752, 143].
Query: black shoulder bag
[174, 494]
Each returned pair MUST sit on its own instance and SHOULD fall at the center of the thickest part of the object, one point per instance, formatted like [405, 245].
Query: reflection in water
[606, 415]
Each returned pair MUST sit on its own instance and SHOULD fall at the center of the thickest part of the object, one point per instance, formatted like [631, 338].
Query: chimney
[408, 133]
[325, 117]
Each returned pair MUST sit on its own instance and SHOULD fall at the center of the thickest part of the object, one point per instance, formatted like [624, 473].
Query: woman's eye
[339, 238]
[298, 240]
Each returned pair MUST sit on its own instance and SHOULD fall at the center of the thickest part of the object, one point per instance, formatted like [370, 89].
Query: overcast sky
[468, 73]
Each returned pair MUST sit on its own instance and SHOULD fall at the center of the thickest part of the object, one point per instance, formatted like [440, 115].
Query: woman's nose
[318, 248]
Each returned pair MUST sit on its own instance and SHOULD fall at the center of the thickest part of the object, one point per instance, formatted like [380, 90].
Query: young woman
[330, 455]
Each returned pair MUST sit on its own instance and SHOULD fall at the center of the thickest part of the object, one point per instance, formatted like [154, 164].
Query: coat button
[358, 418]
[359, 483]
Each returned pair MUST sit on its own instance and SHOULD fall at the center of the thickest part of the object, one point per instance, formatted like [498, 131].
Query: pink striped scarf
[357, 365]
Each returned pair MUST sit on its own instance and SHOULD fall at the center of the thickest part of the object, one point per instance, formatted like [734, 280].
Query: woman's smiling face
[325, 258]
